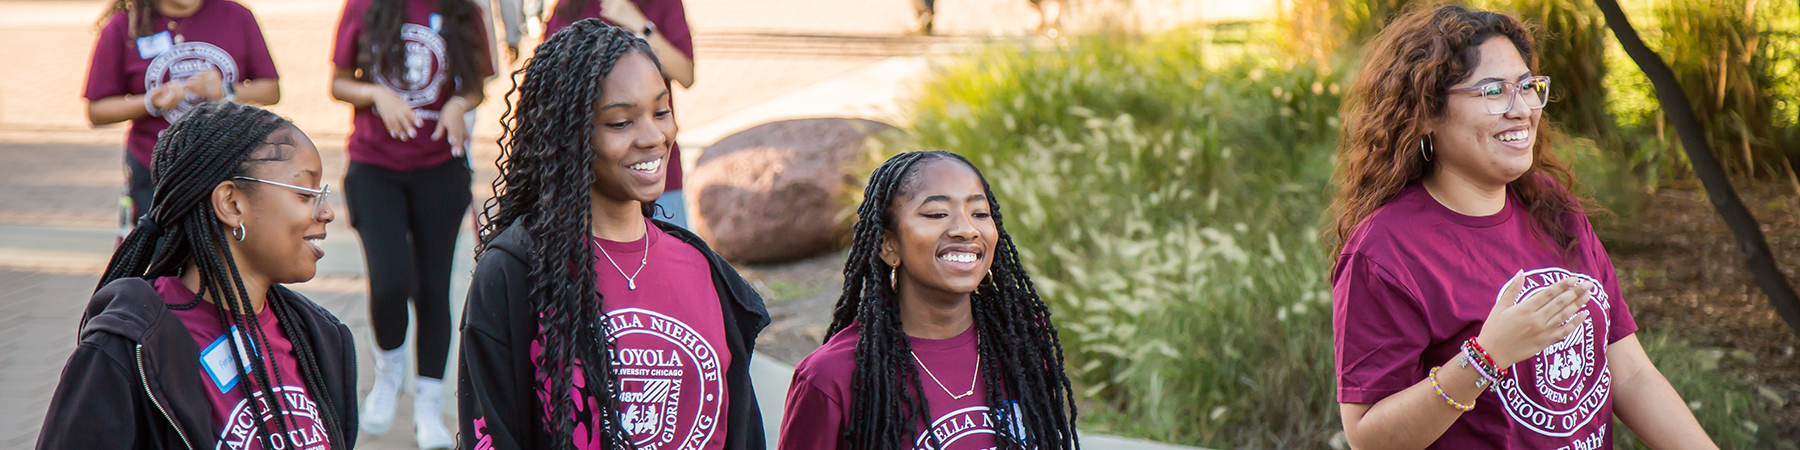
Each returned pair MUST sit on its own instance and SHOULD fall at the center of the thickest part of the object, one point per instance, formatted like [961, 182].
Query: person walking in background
[956, 305]
[590, 324]
[411, 69]
[662, 23]
[157, 59]
[191, 341]
[1473, 306]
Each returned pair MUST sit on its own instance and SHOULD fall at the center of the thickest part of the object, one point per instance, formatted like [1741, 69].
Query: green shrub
[1733, 410]
[1164, 193]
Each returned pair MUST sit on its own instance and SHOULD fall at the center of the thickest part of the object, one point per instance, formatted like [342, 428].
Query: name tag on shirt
[437, 23]
[217, 360]
[153, 45]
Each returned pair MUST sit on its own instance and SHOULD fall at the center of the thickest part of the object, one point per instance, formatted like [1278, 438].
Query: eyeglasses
[318, 195]
[1500, 95]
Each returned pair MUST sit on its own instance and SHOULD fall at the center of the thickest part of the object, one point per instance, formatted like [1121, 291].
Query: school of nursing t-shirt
[425, 84]
[671, 23]
[670, 355]
[1415, 280]
[232, 418]
[222, 36]
[819, 399]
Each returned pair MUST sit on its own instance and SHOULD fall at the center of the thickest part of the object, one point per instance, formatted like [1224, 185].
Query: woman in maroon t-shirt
[191, 341]
[411, 69]
[1472, 304]
[589, 324]
[955, 306]
[157, 59]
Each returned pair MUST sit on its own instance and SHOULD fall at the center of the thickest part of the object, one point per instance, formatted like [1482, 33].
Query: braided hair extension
[210, 145]
[381, 50]
[1021, 357]
[546, 173]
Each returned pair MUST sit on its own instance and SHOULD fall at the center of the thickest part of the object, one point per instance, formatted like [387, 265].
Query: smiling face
[1485, 148]
[281, 232]
[634, 129]
[944, 234]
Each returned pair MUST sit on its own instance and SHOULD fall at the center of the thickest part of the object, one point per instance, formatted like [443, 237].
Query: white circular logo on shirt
[964, 423]
[184, 61]
[424, 75]
[305, 431]
[1562, 388]
[655, 355]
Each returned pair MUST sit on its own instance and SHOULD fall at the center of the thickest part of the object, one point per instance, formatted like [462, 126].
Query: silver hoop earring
[238, 233]
[1425, 148]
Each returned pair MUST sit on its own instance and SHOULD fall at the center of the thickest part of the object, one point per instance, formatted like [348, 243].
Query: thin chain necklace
[972, 378]
[630, 280]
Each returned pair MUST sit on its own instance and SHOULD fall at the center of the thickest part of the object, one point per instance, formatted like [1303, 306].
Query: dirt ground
[1680, 270]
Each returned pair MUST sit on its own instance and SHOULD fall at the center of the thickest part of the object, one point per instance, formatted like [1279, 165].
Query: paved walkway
[759, 60]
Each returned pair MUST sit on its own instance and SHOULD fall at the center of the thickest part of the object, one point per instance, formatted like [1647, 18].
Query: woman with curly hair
[589, 324]
[1473, 307]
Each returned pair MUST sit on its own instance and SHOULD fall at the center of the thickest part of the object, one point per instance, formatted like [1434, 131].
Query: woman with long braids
[157, 59]
[663, 24]
[1472, 304]
[190, 334]
[933, 285]
[411, 69]
[589, 324]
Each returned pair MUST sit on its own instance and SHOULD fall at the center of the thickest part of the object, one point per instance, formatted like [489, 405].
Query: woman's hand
[402, 123]
[168, 96]
[625, 14]
[1514, 332]
[209, 85]
[450, 124]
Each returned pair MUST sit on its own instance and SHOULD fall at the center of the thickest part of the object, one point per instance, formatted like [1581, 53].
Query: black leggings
[408, 221]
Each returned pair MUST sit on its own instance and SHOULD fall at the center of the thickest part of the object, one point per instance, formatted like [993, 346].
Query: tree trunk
[1743, 226]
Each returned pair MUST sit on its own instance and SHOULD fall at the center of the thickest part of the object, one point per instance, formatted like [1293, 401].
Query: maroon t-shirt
[671, 23]
[818, 403]
[425, 85]
[1416, 279]
[231, 413]
[671, 355]
[222, 36]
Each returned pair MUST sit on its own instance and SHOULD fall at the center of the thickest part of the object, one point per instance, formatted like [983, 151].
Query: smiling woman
[1473, 307]
[197, 286]
[933, 284]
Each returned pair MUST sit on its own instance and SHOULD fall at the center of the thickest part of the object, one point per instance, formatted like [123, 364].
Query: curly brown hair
[1400, 88]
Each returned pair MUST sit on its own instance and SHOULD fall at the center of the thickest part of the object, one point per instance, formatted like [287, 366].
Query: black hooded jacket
[496, 377]
[134, 381]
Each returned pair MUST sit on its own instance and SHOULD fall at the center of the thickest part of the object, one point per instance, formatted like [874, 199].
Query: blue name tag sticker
[217, 360]
[437, 23]
[153, 45]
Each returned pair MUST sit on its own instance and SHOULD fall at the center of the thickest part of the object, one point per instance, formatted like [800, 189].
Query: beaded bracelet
[1447, 399]
[1463, 361]
[1499, 372]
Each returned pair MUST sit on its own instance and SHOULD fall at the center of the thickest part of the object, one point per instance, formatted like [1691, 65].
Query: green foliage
[1734, 411]
[1166, 207]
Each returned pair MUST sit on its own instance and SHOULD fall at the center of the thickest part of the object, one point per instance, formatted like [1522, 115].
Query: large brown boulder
[782, 191]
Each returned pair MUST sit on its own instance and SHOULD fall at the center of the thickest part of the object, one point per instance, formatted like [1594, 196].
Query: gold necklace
[946, 389]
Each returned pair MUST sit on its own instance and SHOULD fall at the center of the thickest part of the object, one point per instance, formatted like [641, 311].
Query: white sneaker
[378, 408]
[428, 415]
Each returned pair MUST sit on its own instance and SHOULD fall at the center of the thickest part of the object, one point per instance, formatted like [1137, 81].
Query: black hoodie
[134, 380]
[496, 378]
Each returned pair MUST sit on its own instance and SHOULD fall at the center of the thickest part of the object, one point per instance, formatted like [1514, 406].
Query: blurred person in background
[662, 23]
[412, 70]
[1473, 306]
[157, 59]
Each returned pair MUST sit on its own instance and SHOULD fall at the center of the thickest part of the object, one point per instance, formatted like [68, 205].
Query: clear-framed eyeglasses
[317, 195]
[1501, 96]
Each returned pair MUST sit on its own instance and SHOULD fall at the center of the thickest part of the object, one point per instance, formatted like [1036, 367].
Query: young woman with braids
[1473, 305]
[589, 324]
[411, 69]
[190, 333]
[934, 285]
[157, 59]
[663, 24]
